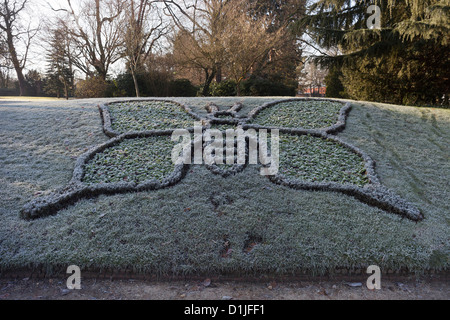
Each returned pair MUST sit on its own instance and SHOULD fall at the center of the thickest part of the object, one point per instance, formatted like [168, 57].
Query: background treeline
[230, 47]
[404, 61]
[167, 48]
[152, 85]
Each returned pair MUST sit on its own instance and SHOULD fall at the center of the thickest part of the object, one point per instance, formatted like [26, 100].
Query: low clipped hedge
[138, 157]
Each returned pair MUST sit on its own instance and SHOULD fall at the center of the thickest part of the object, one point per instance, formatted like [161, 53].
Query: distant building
[313, 92]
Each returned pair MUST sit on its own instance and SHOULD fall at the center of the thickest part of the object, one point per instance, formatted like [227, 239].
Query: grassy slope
[184, 229]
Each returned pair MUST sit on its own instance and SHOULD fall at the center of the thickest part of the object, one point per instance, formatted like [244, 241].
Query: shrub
[335, 88]
[125, 86]
[153, 84]
[225, 88]
[95, 87]
[9, 92]
[182, 88]
[264, 87]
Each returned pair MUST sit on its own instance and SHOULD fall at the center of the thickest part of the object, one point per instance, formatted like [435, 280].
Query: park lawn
[207, 224]
[30, 99]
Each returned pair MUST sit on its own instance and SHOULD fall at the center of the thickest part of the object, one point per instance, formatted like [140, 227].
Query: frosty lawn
[146, 116]
[136, 160]
[185, 229]
[306, 115]
[319, 162]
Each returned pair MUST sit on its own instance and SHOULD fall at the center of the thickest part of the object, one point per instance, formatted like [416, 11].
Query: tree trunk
[102, 73]
[14, 59]
[208, 80]
[18, 68]
[238, 86]
[22, 83]
[136, 85]
[219, 75]
[66, 90]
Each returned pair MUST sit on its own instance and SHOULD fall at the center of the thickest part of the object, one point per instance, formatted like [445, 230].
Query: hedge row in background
[253, 87]
[158, 85]
[123, 86]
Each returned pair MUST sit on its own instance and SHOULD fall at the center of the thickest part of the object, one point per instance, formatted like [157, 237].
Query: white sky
[40, 12]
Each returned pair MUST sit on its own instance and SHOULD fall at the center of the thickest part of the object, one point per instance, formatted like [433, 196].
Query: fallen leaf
[207, 282]
[272, 285]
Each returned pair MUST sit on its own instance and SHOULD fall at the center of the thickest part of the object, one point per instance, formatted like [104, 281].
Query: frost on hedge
[138, 157]
[88, 180]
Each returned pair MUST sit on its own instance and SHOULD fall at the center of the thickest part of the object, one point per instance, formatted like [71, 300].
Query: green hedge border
[374, 194]
[77, 189]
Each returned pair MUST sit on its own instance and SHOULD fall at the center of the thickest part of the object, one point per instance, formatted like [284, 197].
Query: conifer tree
[60, 74]
[404, 61]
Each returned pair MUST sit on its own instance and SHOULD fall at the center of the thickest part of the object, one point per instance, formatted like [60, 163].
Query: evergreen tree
[405, 61]
[281, 66]
[335, 88]
[34, 82]
[60, 74]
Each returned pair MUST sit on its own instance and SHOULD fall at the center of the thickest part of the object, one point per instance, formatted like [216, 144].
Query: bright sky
[40, 12]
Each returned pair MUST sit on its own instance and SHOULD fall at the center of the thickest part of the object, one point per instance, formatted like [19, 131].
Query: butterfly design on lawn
[137, 156]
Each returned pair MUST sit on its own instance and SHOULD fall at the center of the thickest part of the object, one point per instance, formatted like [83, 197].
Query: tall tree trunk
[17, 66]
[9, 15]
[209, 77]
[219, 74]
[66, 90]
[136, 84]
[101, 72]
[238, 88]
[22, 83]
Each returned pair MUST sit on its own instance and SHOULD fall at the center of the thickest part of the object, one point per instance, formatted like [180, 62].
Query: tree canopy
[404, 61]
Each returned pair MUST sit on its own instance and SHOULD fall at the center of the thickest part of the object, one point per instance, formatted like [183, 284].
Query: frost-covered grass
[133, 160]
[310, 114]
[312, 159]
[186, 228]
[150, 115]
[13, 98]
[223, 128]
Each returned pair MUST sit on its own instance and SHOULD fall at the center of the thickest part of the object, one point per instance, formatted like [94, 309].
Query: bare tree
[95, 29]
[313, 78]
[248, 41]
[145, 26]
[227, 35]
[201, 25]
[5, 65]
[14, 32]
